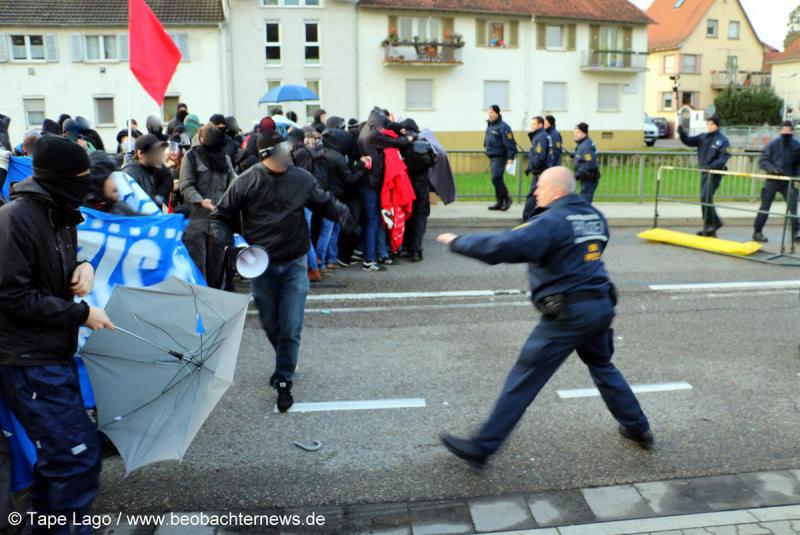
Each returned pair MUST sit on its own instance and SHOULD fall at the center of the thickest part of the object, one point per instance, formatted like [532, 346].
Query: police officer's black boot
[466, 450]
[506, 204]
[645, 440]
[497, 206]
[759, 237]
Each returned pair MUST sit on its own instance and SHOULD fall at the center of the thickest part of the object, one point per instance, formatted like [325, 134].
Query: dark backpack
[313, 161]
[420, 156]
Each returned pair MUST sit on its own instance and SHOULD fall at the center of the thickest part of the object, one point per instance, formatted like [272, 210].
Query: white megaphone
[251, 260]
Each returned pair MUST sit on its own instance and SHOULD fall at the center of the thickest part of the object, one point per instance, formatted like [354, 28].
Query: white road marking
[710, 286]
[637, 389]
[727, 295]
[345, 310]
[364, 405]
[411, 295]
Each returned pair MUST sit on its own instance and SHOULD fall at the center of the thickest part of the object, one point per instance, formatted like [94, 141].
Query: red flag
[153, 54]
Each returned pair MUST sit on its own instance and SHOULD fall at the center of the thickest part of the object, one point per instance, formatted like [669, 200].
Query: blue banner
[20, 168]
[132, 251]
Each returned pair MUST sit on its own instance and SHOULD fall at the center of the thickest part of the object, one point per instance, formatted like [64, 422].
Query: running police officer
[563, 244]
[713, 152]
[501, 150]
[585, 162]
[538, 162]
[780, 157]
[556, 143]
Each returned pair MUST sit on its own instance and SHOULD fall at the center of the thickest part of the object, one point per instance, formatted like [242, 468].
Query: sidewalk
[747, 504]
[619, 214]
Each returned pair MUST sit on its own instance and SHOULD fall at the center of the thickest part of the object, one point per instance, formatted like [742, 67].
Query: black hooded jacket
[371, 142]
[342, 179]
[39, 319]
[5, 140]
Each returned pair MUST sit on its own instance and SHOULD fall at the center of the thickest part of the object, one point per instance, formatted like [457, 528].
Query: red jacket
[397, 195]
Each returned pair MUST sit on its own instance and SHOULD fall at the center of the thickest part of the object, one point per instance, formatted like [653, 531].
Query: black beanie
[583, 127]
[496, 108]
[102, 167]
[217, 118]
[49, 126]
[714, 119]
[59, 155]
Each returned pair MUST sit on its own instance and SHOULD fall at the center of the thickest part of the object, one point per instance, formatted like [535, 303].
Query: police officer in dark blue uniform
[501, 148]
[556, 143]
[713, 152]
[538, 162]
[780, 157]
[587, 171]
[563, 244]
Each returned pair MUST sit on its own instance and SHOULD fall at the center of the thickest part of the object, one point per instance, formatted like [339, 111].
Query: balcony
[422, 53]
[625, 61]
[725, 79]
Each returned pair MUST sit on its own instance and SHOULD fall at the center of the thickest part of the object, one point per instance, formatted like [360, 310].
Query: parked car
[650, 131]
[663, 126]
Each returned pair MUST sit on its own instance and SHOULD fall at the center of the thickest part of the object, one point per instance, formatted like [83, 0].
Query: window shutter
[541, 36]
[51, 48]
[78, 52]
[594, 38]
[449, 25]
[513, 32]
[627, 39]
[480, 32]
[570, 37]
[3, 48]
[697, 63]
[122, 41]
[392, 24]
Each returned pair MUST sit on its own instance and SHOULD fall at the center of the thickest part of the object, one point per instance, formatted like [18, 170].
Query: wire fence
[625, 176]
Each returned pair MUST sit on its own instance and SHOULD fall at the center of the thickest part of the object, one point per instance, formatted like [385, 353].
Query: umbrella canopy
[281, 120]
[288, 93]
[158, 376]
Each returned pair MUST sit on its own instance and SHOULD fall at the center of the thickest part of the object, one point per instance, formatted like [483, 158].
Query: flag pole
[130, 88]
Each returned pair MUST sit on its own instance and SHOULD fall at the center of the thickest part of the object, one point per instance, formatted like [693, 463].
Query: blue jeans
[280, 296]
[333, 245]
[312, 253]
[67, 473]
[323, 242]
[586, 328]
[374, 233]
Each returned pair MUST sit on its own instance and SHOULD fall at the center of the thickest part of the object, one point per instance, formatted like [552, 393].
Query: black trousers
[709, 184]
[420, 211]
[530, 200]
[498, 169]
[348, 240]
[768, 192]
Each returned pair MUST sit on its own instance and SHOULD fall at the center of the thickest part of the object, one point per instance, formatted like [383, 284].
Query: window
[690, 98]
[312, 43]
[273, 43]
[312, 106]
[733, 29]
[732, 64]
[429, 29]
[495, 92]
[497, 34]
[669, 64]
[27, 47]
[554, 96]
[168, 108]
[272, 84]
[424, 29]
[554, 37]
[34, 112]
[690, 64]
[667, 101]
[406, 28]
[419, 94]
[104, 111]
[181, 40]
[101, 47]
[711, 28]
[607, 97]
[290, 3]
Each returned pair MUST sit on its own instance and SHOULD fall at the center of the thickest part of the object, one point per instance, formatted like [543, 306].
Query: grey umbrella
[158, 376]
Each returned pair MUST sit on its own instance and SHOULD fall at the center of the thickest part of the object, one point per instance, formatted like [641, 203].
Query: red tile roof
[674, 25]
[792, 53]
[106, 12]
[603, 10]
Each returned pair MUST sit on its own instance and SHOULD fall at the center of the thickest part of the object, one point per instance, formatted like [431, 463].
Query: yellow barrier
[714, 245]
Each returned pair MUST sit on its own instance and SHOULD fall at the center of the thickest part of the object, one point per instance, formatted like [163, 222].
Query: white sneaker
[370, 266]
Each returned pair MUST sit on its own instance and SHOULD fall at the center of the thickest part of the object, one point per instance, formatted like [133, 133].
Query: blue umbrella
[288, 93]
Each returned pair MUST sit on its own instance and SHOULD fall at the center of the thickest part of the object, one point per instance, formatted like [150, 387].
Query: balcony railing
[725, 79]
[418, 53]
[614, 61]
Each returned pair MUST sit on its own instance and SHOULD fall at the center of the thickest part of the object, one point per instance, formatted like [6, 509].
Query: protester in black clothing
[5, 139]
[181, 112]
[320, 116]
[148, 168]
[103, 194]
[154, 126]
[418, 167]
[49, 126]
[292, 116]
[40, 276]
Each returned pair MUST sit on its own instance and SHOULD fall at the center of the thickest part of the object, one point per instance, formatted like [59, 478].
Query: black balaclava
[182, 112]
[211, 147]
[102, 167]
[49, 126]
[56, 165]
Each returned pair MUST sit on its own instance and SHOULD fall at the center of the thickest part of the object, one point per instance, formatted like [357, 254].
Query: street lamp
[785, 104]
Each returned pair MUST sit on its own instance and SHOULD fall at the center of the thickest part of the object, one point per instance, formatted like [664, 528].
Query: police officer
[563, 244]
[585, 162]
[713, 152]
[501, 150]
[556, 143]
[538, 162]
[780, 157]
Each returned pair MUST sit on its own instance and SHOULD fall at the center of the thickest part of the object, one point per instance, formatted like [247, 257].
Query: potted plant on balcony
[392, 38]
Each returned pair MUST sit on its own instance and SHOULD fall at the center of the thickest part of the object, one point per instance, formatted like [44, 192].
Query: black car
[663, 126]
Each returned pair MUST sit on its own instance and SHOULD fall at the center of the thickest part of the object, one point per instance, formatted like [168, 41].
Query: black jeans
[768, 192]
[420, 210]
[498, 169]
[709, 184]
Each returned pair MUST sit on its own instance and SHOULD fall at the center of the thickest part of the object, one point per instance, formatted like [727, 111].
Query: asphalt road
[738, 350]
